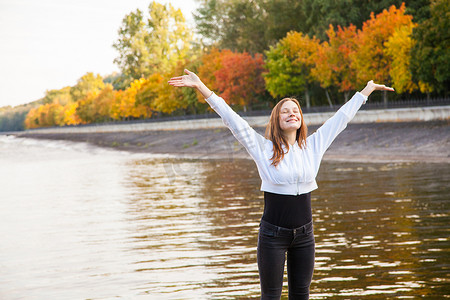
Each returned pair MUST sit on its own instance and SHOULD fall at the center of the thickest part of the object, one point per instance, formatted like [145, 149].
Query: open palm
[371, 86]
[189, 80]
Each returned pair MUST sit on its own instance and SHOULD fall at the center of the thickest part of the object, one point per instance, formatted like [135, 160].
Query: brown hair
[274, 132]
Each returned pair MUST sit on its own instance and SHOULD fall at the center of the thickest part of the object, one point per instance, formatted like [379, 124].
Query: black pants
[273, 244]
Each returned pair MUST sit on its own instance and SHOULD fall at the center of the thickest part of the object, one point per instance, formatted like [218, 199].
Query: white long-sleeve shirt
[297, 171]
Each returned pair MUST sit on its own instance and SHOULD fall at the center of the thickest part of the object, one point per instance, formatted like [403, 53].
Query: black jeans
[273, 243]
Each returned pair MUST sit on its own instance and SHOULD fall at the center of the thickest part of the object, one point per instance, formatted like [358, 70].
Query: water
[79, 222]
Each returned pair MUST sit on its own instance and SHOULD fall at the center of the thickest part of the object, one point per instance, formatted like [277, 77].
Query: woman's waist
[295, 188]
[288, 211]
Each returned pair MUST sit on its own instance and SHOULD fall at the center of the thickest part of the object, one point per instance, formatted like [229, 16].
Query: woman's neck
[291, 137]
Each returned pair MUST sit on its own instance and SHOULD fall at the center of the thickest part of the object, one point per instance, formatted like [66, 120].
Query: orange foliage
[210, 63]
[237, 77]
[333, 59]
[370, 60]
[240, 78]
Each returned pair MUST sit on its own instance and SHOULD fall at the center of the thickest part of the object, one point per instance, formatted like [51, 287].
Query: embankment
[395, 135]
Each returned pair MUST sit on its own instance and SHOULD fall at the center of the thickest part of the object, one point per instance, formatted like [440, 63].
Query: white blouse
[297, 171]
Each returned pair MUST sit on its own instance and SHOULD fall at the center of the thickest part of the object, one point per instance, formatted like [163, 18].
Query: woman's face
[290, 118]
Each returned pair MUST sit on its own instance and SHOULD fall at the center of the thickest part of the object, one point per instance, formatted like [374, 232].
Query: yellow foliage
[125, 102]
[164, 100]
[370, 60]
[31, 119]
[70, 115]
[398, 47]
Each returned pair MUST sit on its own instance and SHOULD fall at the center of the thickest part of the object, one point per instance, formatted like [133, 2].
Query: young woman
[288, 162]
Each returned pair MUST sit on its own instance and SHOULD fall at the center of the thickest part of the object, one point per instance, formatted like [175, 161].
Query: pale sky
[49, 44]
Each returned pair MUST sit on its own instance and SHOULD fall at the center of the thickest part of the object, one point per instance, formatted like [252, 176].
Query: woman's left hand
[371, 86]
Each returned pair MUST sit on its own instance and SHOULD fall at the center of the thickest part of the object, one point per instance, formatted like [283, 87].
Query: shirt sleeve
[243, 132]
[325, 135]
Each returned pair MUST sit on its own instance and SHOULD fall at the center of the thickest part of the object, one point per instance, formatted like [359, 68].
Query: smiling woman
[286, 127]
[288, 163]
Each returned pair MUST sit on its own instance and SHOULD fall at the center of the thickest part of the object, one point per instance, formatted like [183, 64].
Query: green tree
[152, 44]
[419, 9]
[13, 119]
[62, 96]
[430, 55]
[289, 66]
[255, 25]
[250, 26]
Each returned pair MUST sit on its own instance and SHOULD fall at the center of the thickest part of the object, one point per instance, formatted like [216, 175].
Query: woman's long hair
[274, 132]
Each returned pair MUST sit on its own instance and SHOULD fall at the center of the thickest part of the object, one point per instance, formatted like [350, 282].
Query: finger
[177, 78]
[386, 88]
[177, 84]
[187, 71]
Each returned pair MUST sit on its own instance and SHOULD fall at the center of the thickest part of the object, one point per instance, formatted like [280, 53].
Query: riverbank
[365, 142]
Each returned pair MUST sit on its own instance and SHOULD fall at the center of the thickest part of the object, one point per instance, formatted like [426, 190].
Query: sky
[50, 44]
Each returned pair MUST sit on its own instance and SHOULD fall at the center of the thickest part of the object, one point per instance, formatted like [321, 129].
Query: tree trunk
[346, 95]
[328, 98]
[308, 101]
[385, 99]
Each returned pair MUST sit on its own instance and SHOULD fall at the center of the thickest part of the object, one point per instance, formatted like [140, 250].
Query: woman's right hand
[193, 81]
[189, 80]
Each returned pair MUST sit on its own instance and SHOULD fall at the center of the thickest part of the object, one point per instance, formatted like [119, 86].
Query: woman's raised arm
[246, 135]
[191, 80]
[325, 135]
[371, 86]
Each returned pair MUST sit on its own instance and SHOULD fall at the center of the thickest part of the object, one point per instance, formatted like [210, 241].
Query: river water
[80, 222]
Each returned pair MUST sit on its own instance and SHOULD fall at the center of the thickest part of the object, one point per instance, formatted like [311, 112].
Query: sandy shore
[374, 142]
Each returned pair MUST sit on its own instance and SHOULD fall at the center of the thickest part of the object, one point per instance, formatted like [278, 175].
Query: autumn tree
[70, 114]
[332, 61]
[152, 44]
[240, 80]
[31, 119]
[190, 97]
[237, 77]
[370, 60]
[124, 106]
[88, 83]
[210, 63]
[164, 99]
[50, 114]
[398, 48]
[96, 107]
[62, 96]
[289, 64]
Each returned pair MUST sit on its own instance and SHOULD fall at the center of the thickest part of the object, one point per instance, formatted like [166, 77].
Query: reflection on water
[79, 222]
